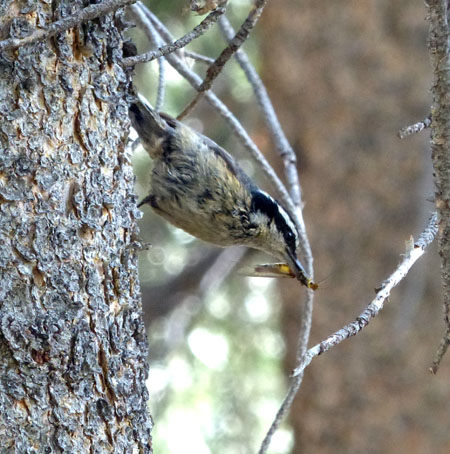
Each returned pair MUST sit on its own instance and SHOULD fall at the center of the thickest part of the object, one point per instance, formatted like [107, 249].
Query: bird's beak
[300, 273]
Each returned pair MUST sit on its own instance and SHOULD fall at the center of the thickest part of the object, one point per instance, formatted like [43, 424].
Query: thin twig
[199, 57]
[414, 251]
[239, 39]
[223, 111]
[85, 14]
[161, 84]
[296, 382]
[439, 46]
[281, 413]
[197, 31]
[168, 38]
[204, 6]
[279, 138]
[287, 153]
[353, 328]
[443, 346]
[156, 41]
[160, 93]
[415, 128]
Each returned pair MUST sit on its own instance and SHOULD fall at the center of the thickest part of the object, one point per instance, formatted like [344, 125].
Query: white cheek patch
[285, 215]
[287, 218]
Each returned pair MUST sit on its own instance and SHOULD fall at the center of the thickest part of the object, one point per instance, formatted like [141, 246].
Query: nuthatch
[197, 186]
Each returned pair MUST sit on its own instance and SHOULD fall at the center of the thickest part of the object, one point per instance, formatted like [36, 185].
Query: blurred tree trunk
[345, 77]
[72, 341]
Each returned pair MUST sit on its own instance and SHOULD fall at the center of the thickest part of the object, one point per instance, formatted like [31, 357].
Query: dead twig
[205, 6]
[283, 146]
[198, 57]
[281, 413]
[197, 31]
[413, 252]
[287, 153]
[156, 41]
[215, 69]
[415, 128]
[443, 345]
[85, 14]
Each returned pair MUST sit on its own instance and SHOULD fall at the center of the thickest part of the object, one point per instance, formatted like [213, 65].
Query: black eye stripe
[265, 204]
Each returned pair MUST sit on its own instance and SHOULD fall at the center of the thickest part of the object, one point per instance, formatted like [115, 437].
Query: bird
[199, 187]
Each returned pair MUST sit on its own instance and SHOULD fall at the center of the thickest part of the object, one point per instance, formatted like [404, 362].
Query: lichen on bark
[72, 341]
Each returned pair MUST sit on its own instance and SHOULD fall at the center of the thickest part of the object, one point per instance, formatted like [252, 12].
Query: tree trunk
[72, 341]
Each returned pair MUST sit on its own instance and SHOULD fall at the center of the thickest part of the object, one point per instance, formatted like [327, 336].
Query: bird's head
[277, 233]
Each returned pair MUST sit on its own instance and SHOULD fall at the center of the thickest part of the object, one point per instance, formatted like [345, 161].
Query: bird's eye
[290, 238]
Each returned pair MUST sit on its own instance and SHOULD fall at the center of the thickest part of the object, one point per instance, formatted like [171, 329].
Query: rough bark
[72, 341]
[440, 146]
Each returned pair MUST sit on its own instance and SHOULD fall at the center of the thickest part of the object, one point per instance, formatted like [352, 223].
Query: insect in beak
[299, 272]
[279, 270]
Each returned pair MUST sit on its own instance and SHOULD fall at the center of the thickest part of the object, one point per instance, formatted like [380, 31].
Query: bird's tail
[150, 126]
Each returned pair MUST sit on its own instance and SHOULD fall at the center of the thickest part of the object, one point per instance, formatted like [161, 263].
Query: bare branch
[282, 412]
[290, 163]
[215, 69]
[156, 41]
[204, 6]
[197, 31]
[440, 145]
[168, 38]
[287, 153]
[413, 252]
[443, 345]
[160, 94]
[415, 128]
[86, 14]
[198, 57]
[279, 138]
[296, 381]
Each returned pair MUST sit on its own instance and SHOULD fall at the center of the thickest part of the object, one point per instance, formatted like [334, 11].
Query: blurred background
[344, 77]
